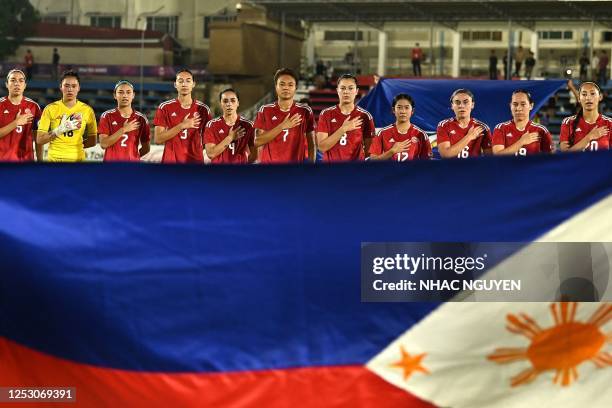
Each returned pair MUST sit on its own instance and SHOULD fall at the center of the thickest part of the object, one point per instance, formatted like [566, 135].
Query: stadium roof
[447, 12]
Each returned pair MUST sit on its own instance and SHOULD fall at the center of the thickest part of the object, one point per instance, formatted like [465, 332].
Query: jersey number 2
[124, 139]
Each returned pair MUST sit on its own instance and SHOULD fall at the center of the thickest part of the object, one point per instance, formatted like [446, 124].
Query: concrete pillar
[535, 41]
[441, 59]
[382, 53]
[310, 47]
[456, 54]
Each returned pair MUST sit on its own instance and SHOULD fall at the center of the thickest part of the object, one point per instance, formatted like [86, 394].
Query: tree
[17, 21]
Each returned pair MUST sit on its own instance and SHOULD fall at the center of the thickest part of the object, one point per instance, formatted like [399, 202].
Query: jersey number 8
[343, 140]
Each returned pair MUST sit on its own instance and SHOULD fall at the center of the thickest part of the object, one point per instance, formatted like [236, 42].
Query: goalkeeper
[68, 125]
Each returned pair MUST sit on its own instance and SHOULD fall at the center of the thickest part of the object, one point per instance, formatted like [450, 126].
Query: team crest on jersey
[414, 139]
[28, 111]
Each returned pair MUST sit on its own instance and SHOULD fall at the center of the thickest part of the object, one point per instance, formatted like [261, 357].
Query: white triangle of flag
[516, 354]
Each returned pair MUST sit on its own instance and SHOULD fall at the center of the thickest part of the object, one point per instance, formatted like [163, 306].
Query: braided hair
[580, 112]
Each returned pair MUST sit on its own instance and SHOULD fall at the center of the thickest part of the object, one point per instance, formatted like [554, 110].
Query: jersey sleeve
[376, 146]
[369, 129]
[37, 114]
[323, 123]
[486, 138]
[425, 152]
[442, 134]
[250, 134]
[310, 121]
[45, 120]
[260, 120]
[498, 136]
[145, 132]
[103, 127]
[209, 136]
[546, 142]
[564, 133]
[92, 125]
[161, 118]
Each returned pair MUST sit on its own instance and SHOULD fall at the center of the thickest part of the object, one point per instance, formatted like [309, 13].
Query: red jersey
[507, 134]
[290, 146]
[186, 146]
[236, 152]
[18, 145]
[417, 53]
[388, 136]
[126, 148]
[583, 129]
[449, 130]
[351, 144]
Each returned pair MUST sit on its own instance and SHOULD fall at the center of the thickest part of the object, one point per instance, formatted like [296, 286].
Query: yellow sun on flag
[410, 364]
[560, 348]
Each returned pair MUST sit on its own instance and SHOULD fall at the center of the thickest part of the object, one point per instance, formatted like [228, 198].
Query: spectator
[417, 57]
[530, 62]
[584, 66]
[506, 65]
[603, 69]
[493, 65]
[519, 57]
[55, 64]
[595, 66]
[29, 64]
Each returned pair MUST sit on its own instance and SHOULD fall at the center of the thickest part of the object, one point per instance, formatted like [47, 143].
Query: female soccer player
[520, 136]
[402, 140]
[588, 129]
[463, 136]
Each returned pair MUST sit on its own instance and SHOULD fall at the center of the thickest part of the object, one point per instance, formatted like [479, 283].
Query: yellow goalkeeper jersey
[68, 147]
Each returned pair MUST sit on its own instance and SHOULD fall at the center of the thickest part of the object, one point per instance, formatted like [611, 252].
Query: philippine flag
[158, 286]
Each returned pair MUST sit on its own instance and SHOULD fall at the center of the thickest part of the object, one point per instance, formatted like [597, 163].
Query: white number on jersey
[402, 156]
[124, 139]
[184, 134]
[343, 140]
[593, 146]
[285, 134]
[465, 153]
[522, 152]
[19, 129]
[232, 147]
